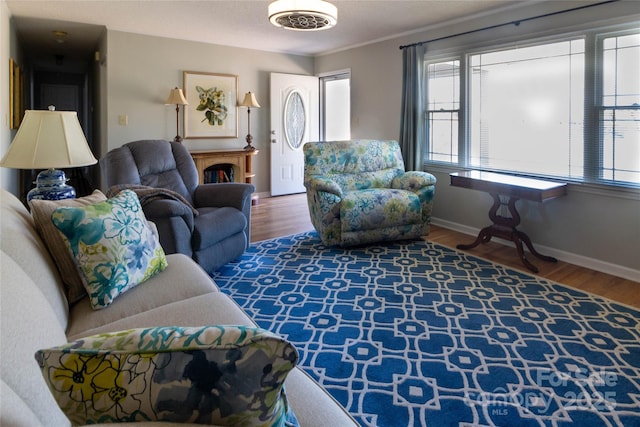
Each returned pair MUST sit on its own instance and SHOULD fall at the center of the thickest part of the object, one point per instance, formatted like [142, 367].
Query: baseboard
[262, 195]
[572, 258]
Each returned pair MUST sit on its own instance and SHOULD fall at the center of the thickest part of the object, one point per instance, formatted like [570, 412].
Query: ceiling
[239, 23]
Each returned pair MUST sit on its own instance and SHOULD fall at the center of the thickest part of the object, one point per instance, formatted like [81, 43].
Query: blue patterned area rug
[418, 334]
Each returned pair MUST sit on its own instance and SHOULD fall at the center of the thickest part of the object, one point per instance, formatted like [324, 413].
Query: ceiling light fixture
[303, 15]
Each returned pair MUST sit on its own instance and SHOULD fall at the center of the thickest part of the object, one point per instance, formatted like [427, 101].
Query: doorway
[294, 121]
[303, 109]
[66, 91]
[335, 106]
[61, 68]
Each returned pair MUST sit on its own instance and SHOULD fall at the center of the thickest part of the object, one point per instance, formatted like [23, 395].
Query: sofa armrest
[229, 194]
[317, 183]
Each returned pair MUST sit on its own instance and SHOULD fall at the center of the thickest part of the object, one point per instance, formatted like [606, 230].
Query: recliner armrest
[323, 184]
[157, 210]
[413, 181]
[228, 194]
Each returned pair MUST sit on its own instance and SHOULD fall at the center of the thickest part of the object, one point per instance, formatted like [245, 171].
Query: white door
[294, 121]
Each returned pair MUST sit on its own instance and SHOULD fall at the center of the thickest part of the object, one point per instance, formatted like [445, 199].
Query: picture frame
[15, 94]
[18, 111]
[212, 110]
[11, 95]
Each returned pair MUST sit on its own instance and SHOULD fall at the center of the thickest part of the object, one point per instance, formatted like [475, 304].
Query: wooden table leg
[483, 237]
[521, 254]
[522, 236]
[505, 227]
[487, 233]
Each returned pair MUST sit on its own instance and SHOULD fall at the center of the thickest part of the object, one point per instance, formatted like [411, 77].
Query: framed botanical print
[212, 111]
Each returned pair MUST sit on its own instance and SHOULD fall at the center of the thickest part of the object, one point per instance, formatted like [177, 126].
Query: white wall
[141, 70]
[592, 227]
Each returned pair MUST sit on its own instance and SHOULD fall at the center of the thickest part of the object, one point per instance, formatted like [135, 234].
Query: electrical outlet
[123, 120]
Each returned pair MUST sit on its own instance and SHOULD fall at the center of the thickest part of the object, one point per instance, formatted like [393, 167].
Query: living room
[595, 226]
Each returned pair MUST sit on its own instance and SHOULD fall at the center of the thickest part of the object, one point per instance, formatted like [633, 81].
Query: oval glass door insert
[294, 120]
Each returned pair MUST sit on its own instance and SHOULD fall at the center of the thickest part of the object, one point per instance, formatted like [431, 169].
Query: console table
[506, 190]
[240, 160]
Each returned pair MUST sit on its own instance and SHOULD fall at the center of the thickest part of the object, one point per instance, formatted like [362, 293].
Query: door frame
[286, 172]
[323, 78]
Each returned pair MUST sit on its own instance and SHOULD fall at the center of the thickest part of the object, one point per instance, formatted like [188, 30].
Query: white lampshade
[49, 139]
[303, 15]
[249, 101]
[176, 97]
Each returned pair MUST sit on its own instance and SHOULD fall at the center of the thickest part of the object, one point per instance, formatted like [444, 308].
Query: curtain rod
[504, 24]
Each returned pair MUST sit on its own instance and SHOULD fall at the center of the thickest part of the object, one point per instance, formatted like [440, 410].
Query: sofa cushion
[41, 211]
[181, 280]
[112, 244]
[226, 375]
[214, 308]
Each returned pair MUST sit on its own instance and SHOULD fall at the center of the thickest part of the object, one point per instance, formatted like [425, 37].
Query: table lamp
[249, 101]
[48, 140]
[176, 97]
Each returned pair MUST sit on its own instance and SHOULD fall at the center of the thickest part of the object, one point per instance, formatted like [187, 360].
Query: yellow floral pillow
[221, 375]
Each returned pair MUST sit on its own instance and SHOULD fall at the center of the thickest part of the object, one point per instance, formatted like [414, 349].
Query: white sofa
[35, 315]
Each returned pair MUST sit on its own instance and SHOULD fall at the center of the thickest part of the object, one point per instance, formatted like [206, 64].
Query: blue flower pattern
[221, 375]
[125, 227]
[112, 245]
[358, 192]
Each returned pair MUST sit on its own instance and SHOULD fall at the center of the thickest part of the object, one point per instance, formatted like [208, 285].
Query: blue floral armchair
[358, 192]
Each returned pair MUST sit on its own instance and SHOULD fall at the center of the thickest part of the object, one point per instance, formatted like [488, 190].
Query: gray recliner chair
[209, 222]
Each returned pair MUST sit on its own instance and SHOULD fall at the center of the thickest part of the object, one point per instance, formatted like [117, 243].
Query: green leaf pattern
[212, 102]
[112, 245]
[358, 192]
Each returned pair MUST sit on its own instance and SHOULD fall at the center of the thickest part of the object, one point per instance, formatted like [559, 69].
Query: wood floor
[283, 215]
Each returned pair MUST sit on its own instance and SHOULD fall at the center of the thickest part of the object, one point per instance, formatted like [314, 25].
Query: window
[335, 95]
[529, 109]
[443, 107]
[620, 109]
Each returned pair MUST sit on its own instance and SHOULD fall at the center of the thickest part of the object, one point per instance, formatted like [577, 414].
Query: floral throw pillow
[112, 244]
[41, 211]
[221, 375]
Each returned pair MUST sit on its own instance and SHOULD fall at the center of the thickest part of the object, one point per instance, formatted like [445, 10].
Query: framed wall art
[212, 111]
[16, 84]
